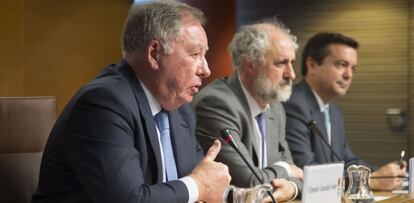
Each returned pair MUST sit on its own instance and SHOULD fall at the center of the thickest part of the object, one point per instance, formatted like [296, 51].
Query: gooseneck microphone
[226, 135]
[315, 130]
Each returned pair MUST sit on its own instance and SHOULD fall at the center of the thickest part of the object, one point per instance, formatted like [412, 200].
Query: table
[395, 198]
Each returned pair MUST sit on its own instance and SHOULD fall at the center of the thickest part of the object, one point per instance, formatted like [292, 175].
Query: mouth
[343, 85]
[195, 89]
[286, 83]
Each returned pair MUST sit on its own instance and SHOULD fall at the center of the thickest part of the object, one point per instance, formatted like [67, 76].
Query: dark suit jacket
[223, 105]
[306, 147]
[104, 146]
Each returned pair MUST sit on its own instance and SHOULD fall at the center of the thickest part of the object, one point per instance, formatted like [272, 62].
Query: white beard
[272, 92]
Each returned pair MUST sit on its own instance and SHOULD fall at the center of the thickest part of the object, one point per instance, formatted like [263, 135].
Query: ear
[153, 49]
[248, 65]
[311, 64]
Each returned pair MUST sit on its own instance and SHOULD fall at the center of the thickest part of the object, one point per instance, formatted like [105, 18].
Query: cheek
[275, 76]
[185, 76]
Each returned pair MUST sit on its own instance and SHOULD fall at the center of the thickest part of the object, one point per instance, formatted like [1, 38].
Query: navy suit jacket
[104, 146]
[306, 147]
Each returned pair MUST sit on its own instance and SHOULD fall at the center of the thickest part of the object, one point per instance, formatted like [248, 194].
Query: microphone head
[226, 135]
[312, 124]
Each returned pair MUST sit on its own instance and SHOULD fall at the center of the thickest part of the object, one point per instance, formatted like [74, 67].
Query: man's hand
[212, 177]
[296, 171]
[284, 190]
[391, 169]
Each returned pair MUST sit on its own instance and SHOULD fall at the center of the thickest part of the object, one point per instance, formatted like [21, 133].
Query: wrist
[201, 191]
[296, 191]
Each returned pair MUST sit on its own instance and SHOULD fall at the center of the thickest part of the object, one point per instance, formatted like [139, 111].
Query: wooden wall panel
[382, 28]
[68, 42]
[54, 47]
[411, 83]
[220, 28]
[11, 46]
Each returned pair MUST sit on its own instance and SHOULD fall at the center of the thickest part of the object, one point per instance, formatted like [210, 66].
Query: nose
[203, 70]
[289, 72]
[348, 73]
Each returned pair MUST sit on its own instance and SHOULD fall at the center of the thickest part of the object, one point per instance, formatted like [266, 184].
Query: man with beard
[328, 64]
[248, 104]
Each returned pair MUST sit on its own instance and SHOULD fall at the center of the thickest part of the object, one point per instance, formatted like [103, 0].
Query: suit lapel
[234, 84]
[272, 134]
[334, 133]
[145, 114]
[316, 115]
[181, 143]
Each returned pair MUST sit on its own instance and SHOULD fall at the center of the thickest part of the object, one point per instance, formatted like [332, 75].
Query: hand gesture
[212, 177]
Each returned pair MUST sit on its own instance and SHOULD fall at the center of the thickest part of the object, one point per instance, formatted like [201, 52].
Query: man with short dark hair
[129, 135]
[328, 64]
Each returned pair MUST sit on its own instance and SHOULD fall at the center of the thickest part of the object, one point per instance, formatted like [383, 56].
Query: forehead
[282, 45]
[192, 34]
[342, 52]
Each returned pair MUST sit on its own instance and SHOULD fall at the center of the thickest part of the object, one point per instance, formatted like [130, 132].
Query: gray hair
[160, 21]
[252, 42]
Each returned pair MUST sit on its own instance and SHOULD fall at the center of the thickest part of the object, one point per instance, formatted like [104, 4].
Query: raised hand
[212, 177]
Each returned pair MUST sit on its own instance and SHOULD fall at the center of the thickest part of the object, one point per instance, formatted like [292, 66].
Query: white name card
[323, 183]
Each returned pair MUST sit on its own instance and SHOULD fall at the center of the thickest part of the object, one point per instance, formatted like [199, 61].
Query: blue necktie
[169, 161]
[261, 122]
[327, 124]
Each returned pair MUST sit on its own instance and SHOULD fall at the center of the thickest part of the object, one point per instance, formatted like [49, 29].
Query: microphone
[226, 135]
[315, 130]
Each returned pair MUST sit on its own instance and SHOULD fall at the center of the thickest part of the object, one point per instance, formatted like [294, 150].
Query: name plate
[323, 183]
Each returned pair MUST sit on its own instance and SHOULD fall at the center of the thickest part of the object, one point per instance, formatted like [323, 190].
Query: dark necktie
[169, 161]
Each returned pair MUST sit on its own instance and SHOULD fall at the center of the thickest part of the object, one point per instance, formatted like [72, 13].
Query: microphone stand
[315, 130]
[226, 134]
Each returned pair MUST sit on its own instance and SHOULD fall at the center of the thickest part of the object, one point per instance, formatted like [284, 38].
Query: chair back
[25, 124]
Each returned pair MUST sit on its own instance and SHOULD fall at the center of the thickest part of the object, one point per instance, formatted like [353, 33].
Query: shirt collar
[154, 105]
[253, 105]
[322, 105]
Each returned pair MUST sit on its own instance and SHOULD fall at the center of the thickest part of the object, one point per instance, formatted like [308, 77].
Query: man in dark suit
[262, 55]
[328, 63]
[129, 135]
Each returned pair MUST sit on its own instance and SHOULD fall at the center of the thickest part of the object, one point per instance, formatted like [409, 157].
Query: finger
[213, 151]
[267, 199]
[404, 164]
[277, 183]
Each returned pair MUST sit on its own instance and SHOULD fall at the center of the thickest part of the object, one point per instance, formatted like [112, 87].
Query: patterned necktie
[169, 161]
[261, 122]
[327, 124]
